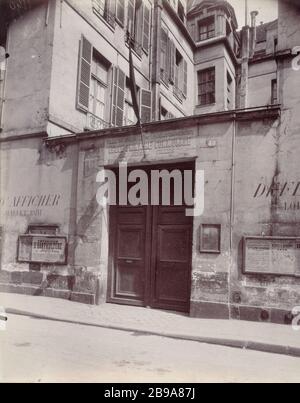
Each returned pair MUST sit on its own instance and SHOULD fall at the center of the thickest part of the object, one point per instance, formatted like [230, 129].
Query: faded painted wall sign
[29, 205]
[278, 189]
[264, 255]
[155, 145]
[42, 249]
[284, 194]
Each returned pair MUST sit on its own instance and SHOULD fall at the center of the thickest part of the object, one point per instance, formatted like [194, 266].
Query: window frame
[209, 98]
[201, 23]
[274, 92]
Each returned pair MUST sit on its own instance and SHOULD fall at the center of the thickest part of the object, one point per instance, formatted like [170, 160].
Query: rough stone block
[32, 278]
[209, 310]
[54, 293]
[4, 276]
[83, 298]
[56, 281]
[86, 282]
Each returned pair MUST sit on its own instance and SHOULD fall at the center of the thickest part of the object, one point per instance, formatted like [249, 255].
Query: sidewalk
[278, 339]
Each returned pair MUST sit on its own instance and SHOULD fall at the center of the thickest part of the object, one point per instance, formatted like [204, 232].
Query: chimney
[244, 68]
[254, 14]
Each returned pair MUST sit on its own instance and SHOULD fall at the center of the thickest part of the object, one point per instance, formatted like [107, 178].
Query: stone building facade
[213, 98]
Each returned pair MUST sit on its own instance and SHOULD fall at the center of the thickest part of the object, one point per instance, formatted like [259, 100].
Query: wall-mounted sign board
[42, 249]
[272, 255]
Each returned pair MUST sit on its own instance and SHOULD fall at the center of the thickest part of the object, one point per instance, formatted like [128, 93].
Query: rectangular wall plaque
[42, 249]
[272, 255]
[210, 241]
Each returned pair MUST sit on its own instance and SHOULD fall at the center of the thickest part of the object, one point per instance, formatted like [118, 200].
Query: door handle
[129, 261]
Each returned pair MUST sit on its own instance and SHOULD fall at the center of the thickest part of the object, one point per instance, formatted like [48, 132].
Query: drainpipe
[243, 101]
[3, 63]
[232, 205]
[156, 58]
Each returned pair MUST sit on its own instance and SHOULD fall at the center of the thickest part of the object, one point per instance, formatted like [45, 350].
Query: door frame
[149, 251]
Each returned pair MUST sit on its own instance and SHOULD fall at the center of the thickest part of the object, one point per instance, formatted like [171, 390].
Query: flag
[133, 83]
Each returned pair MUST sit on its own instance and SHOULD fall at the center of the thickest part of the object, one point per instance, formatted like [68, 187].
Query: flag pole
[134, 93]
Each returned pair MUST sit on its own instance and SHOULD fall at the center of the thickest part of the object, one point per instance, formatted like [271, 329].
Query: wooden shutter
[120, 11]
[119, 83]
[84, 76]
[146, 28]
[130, 17]
[164, 54]
[146, 101]
[185, 76]
[111, 7]
[172, 55]
[138, 37]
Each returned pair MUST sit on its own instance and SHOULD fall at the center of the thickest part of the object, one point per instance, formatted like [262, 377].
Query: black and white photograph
[149, 194]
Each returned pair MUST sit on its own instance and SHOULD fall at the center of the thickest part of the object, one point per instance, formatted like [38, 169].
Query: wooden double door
[150, 256]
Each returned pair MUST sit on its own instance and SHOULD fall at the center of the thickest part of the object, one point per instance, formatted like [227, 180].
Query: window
[92, 89]
[207, 28]
[165, 115]
[138, 25]
[105, 9]
[206, 87]
[274, 96]
[230, 94]
[98, 94]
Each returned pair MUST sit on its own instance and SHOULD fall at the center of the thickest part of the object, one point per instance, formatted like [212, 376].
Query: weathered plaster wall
[106, 41]
[27, 87]
[260, 83]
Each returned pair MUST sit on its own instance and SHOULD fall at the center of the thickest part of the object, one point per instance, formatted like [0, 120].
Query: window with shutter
[163, 56]
[172, 62]
[138, 35]
[119, 82]
[120, 11]
[146, 28]
[84, 76]
[146, 100]
[105, 9]
[185, 77]
[130, 17]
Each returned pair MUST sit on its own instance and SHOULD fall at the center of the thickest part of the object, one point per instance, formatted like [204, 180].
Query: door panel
[171, 259]
[130, 254]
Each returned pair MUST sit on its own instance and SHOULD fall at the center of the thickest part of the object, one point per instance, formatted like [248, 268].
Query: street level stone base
[47, 285]
[209, 310]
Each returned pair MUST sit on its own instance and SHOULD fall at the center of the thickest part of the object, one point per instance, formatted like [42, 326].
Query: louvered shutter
[111, 8]
[146, 101]
[164, 52]
[120, 11]
[185, 77]
[138, 39]
[172, 55]
[146, 28]
[84, 76]
[130, 17]
[119, 82]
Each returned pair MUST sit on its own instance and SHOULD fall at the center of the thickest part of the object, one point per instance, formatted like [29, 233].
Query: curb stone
[244, 345]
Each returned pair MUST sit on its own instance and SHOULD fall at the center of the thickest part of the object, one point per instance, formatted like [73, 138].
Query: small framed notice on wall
[42, 249]
[210, 238]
